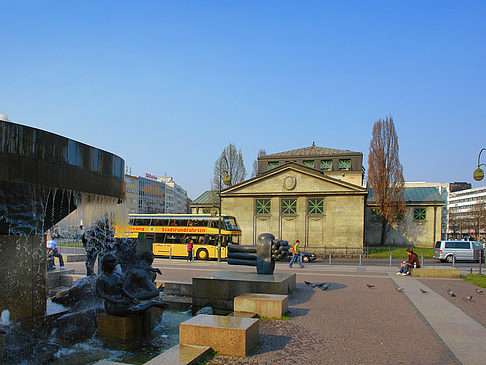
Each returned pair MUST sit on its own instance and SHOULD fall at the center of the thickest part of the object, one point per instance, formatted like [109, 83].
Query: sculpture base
[125, 332]
[218, 289]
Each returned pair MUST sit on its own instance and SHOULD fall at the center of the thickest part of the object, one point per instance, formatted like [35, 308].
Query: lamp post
[226, 181]
[479, 173]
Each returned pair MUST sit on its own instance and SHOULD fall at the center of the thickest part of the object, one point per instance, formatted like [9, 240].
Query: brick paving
[347, 324]
[476, 309]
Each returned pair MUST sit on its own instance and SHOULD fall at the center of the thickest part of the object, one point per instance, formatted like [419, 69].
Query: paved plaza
[351, 323]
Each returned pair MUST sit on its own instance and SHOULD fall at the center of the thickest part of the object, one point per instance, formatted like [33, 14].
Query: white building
[467, 211]
[175, 196]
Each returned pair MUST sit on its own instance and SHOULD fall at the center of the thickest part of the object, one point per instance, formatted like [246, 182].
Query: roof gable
[293, 179]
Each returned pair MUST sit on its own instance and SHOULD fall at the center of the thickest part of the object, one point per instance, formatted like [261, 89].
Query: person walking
[189, 249]
[53, 252]
[295, 254]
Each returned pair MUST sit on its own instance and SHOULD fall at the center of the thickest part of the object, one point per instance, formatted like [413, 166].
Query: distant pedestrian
[294, 250]
[52, 251]
[189, 245]
[411, 262]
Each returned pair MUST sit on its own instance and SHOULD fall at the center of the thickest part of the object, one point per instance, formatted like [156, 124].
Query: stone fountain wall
[42, 176]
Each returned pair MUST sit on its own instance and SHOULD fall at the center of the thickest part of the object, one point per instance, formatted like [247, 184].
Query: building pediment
[293, 179]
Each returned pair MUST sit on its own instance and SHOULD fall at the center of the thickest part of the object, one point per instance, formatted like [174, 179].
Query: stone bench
[436, 273]
[265, 305]
[225, 334]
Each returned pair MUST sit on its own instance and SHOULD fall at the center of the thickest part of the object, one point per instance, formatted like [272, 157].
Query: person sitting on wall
[411, 262]
[52, 251]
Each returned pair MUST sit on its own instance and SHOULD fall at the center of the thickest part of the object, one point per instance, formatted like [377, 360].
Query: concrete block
[219, 289]
[181, 355]
[265, 305]
[120, 329]
[436, 273]
[225, 334]
[243, 314]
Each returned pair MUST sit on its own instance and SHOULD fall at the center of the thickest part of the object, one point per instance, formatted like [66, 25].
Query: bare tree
[385, 174]
[255, 163]
[229, 163]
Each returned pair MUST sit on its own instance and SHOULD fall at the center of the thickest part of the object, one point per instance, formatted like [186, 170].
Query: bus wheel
[202, 254]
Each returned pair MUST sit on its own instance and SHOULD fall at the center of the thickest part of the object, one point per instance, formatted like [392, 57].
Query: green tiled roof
[208, 197]
[310, 151]
[416, 195]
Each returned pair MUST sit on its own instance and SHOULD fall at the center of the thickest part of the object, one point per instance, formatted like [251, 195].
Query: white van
[462, 250]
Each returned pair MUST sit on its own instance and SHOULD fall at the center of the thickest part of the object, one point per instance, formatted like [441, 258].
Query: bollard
[422, 259]
[360, 263]
[480, 261]
[330, 258]
[390, 259]
[470, 270]
[453, 261]
[170, 253]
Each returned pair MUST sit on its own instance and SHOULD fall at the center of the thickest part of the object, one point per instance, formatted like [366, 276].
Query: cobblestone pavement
[347, 324]
[476, 309]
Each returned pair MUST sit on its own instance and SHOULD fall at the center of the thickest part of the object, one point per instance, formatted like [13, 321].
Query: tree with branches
[230, 162]
[385, 175]
[255, 163]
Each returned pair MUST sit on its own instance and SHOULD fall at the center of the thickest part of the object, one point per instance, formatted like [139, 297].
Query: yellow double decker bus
[168, 233]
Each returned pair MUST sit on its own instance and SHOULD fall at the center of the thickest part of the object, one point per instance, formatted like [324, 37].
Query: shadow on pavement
[297, 312]
[269, 343]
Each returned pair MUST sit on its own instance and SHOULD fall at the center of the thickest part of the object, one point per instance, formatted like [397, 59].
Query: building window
[419, 214]
[375, 216]
[262, 206]
[315, 206]
[400, 216]
[272, 164]
[309, 163]
[344, 164]
[289, 207]
[326, 165]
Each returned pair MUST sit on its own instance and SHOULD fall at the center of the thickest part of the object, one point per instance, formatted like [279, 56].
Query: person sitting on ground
[52, 251]
[411, 262]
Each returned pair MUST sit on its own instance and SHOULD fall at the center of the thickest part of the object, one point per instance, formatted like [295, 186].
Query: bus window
[159, 237]
[141, 222]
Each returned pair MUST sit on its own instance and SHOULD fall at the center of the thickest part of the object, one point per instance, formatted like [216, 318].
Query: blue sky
[167, 85]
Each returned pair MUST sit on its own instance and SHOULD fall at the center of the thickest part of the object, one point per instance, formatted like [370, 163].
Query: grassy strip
[399, 253]
[476, 279]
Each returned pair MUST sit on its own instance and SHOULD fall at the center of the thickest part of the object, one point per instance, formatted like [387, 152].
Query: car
[462, 250]
[305, 257]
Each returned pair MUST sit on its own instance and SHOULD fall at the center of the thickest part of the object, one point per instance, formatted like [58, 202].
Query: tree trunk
[383, 231]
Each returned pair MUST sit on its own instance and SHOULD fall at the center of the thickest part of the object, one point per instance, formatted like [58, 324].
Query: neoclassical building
[313, 194]
[316, 195]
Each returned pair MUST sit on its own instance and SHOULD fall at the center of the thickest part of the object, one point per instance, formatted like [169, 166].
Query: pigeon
[399, 289]
[371, 286]
[451, 293]
[423, 291]
[479, 291]
[309, 284]
[468, 298]
[324, 286]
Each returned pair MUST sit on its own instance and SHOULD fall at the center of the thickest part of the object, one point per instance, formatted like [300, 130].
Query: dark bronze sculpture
[262, 255]
[118, 301]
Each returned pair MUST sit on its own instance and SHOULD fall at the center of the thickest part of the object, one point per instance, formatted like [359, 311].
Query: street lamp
[226, 181]
[479, 173]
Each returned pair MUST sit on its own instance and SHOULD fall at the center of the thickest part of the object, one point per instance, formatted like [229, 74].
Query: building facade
[175, 196]
[420, 225]
[467, 213]
[131, 186]
[316, 195]
[154, 195]
[321, 207]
